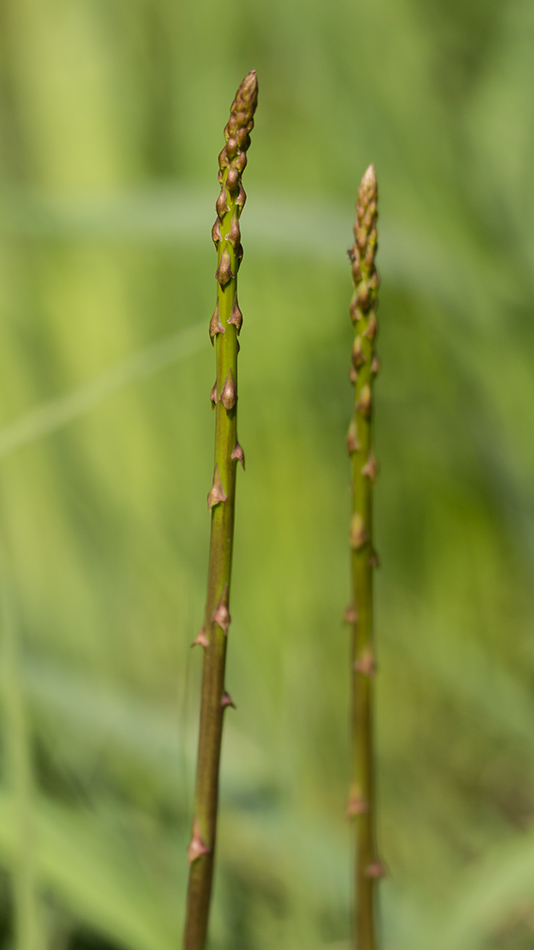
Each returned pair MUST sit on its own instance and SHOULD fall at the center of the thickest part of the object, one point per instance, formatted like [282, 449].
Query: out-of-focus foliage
[111, 118]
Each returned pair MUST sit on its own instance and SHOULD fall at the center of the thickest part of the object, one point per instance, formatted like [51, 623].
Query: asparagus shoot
[363, 370]
[224, 328]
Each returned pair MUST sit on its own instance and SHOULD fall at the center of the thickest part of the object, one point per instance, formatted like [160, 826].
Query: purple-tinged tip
[216, 493]
[370, 468]
[358, 534]
[221, 615]
[249, 86]
[228, 395]
[356, 806]
[239, 455]
[366, 665]
[215, 324]
[237, 316]
[216, 232]
[376, 870]
[224, 273]
[201, 638]
[197, 845]
[227, 701]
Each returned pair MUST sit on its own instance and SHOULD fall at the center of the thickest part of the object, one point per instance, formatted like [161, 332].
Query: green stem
[224, 328]
[364, 366]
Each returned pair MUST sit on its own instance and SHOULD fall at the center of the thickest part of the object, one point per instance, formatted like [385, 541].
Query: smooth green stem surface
[362, 800]
[224, 328]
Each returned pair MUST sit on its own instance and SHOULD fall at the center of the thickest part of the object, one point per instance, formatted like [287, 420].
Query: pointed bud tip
[239, 455]
[369, 178]
[358, 535]
[365, 207]
[224, 273]
[201, 638]
[246, 99]
[366, 665]
[365, 403]
[356, 806]
[375, 870]
[370, 468]
[216, 494]
[221, 615]
[227, 701]
[215, 324]
[197, 846]
[228, 395]
[249, 86]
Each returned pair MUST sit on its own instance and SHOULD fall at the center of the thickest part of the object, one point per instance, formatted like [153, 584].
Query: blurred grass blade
[494, 893]
[53, 415]
[17, 744]
[83, 866]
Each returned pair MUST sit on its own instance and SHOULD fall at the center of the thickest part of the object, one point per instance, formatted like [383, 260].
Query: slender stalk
[364, 367]
[224, 329]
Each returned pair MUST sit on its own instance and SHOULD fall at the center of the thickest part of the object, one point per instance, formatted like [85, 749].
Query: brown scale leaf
[376, 870]
[221, 615]
[237, 316]
[216, 493]
[358, 534]
[197, 845]
[370, 468]
[365, 402]
[227, 701]
[228, 395]
[224, 272]
[201, 638]
[215, 324]
[366, 664]
[356, 806]
[239, 455]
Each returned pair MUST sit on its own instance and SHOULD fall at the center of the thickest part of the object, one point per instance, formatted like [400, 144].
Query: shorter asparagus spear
[364, 367]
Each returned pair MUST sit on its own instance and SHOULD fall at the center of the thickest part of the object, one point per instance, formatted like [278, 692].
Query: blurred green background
[111, 119]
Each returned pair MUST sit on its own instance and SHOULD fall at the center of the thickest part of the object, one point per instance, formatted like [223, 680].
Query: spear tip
[249, 86]
[369, 178]
[244, 104]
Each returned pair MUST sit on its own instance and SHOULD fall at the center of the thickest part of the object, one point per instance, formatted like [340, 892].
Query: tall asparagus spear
[364, 367]
[224, 327]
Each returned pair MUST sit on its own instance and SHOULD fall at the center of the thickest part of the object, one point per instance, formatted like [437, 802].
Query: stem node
[201, 638]
[227, 701]
[197, 845]
[221, 615]
[216, 493]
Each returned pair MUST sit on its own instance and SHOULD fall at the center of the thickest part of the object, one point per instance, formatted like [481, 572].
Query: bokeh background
[111, 119]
